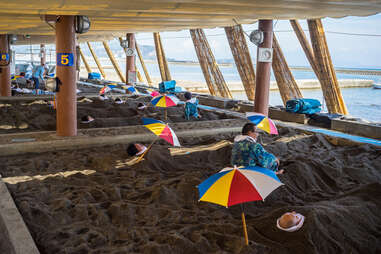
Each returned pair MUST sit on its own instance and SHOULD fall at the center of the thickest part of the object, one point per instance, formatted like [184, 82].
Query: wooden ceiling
[112, 18]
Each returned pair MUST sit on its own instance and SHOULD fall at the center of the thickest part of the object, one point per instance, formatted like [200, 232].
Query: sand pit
[38, 116]
[152, 207]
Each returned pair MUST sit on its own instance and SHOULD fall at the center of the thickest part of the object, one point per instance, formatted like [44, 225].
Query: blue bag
[94, 75]
[303, 106]
[167, 86]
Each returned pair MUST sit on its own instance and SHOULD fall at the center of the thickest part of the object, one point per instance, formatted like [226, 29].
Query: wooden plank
[100, 68]
[114, 62]
[242, 58]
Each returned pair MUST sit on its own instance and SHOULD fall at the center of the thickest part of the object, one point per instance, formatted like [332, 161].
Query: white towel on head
[293, 228]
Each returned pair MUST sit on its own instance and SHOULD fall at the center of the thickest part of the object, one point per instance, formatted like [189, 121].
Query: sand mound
[152, 207]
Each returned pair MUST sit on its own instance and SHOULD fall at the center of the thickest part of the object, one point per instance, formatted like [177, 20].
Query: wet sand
[152, 207]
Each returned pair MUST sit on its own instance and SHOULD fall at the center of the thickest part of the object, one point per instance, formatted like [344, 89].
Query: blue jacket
[191, 108]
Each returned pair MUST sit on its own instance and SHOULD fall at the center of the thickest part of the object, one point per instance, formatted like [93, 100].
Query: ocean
[362, 103]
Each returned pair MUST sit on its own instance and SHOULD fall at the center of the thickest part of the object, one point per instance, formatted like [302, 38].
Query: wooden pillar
[5, 69]
[323, 68]
[130, 60]
[242, 58]
[212, 73]
[88, 68]
[330, 85]
[148, 78]
[43, 54]
[100, 68]
[162, 61]
[66, 73]
[285, 80]
[136, 69]
[114, 62]
[262, 79]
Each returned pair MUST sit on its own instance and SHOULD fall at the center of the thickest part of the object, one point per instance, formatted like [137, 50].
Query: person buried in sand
[247, 152]
[135, 149]
[191, 106]
[290, 221]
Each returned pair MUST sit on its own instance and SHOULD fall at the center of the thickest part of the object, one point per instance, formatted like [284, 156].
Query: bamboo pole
[100, 68]
[167, 73]
[156, 38]
[88, 68]
[330, 85]
[114, 62]
[148, 78]
[244, 228]
[242, 58]
[285, 80]
[212, 73]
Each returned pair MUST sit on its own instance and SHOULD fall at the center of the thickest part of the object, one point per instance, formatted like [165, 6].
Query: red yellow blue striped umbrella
[234, 186]
[165, 101]
[162, 130]
[262, 122]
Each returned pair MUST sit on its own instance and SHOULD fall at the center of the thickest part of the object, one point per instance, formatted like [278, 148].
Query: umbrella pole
[146, 151]
[165, 114]
[244, 226]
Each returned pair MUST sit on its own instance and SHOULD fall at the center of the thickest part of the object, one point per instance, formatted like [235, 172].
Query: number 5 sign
[65, 59]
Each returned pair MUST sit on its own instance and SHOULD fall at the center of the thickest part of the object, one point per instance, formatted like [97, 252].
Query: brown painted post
[43, 54]
[242, 58]
[130, 60]
[100, 68]
[5, 71]
[88, 68]
[285, 80]
[330, 85]
[114, 62]
[139, 77]
[67, 96]
[149, 81]
[262, 79]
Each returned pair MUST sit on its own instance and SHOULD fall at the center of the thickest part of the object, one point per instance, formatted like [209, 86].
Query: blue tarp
[303, 106]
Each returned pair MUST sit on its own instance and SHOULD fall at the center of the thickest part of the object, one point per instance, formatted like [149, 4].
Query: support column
[148, 78]
[213, 76]
[242, 58]
[130, 60]
[100, 68]
[114, 62]
[67, 96]
[262, 79]
[285, 80]
[5, 71]
[162, 61]
[138, 76]
[88, 68]
[43, 54]
[323, 61]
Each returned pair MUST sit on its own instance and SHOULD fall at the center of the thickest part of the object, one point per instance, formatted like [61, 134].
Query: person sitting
[87, 119]
[247, 152]
[135, 149]
[290, 221]
[191, 106]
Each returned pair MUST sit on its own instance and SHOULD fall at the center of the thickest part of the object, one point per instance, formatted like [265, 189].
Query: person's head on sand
[118, 100]
[141, 106]
[250, 129]
[135, 149]
[87, 119]
[188, 95]
[290, 221]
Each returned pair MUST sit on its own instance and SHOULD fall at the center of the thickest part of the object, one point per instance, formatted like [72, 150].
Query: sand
[38, 116]
[152, 207]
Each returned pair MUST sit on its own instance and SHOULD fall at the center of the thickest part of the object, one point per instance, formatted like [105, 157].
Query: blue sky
[346, 50]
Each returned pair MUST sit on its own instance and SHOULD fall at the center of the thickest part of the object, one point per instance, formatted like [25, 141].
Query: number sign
[65, 59]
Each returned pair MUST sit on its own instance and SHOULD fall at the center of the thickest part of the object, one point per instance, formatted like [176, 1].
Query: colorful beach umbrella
[105, 89]
[234, 186]
[262, 122]
[165, 101]
[162, 130]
